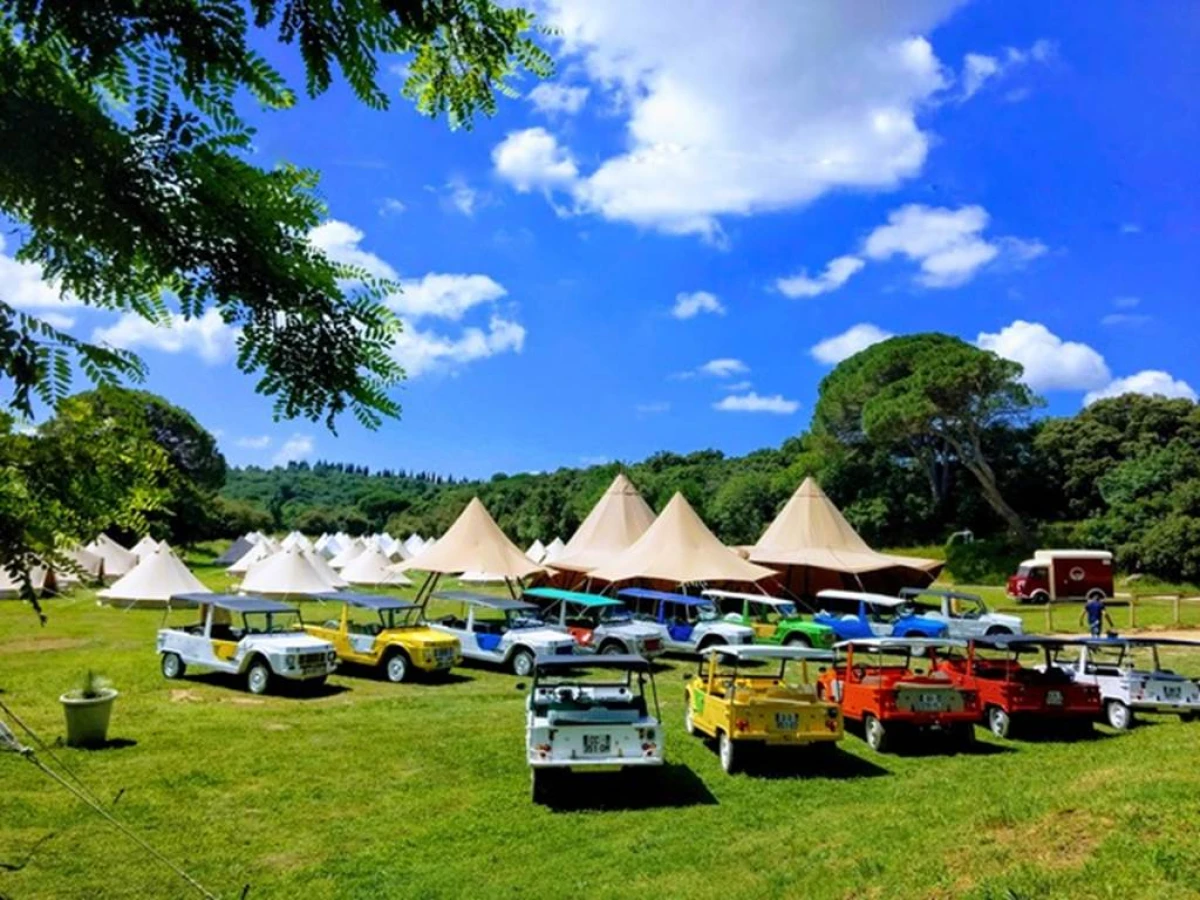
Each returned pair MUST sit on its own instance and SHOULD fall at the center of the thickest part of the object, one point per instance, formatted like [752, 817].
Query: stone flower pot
[87, 717]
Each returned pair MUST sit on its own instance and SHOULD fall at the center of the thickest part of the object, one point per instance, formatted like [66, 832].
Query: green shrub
[984, 562]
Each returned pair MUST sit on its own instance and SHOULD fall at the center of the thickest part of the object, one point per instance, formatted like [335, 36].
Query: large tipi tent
[144, 547]
[117, 560]
[323, 568]
[373, 567]
[414, 544]
[286, 572]
[474, 543]
[91, 565]
[813, 547]
[236, 551]
[42, 579]
[153, 581]
[679, 549]
[352, 550]
[295, 539]
[254, 555]
[618, 519]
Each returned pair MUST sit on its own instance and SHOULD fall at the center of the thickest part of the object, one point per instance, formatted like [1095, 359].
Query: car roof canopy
[1019, 642]
[870, 599]
[753, 598]
[647, 594]
[233, 602]
[367, 601]
[626, 661]
[549, 593]
[900, 643]
[474, 599]
[938, 592]
[755, 652]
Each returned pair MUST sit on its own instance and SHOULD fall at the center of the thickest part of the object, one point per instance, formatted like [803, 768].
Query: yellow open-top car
[759, 695]
[387, 633]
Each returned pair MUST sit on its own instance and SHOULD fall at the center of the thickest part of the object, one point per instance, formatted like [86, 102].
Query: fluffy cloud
[208, 336]
[737, 387]
[948, 244]
[549, 98]
[1153, 382]
[688, 306]
[1051, 364]
[57, 320]
[461, 197]
[836, 273]
[752, 402]
[390, 206]
[23, 287]
[295, 448]
[444, 296]
[723, 368]
[834, 349]
[979, 68]
[532, 159]
[421, 352]
[340, 242]
[805, 99]
[253, 443]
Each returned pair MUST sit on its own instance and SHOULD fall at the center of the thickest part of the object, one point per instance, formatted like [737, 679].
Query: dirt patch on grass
[277, 726]
[182, 695]
[285, 861]
[37, 644]
[245, 701]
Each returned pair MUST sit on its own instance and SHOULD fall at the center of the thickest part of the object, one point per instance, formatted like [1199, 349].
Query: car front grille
[311, 659]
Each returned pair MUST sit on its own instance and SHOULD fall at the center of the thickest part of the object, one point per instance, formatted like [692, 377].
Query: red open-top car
[894, 687]
[1020, 686]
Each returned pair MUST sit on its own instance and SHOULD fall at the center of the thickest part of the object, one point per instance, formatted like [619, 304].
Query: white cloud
[340, 242]
[752, 402]
[723, 368]
[23, 287]
[390, 206]
[688, 306]
[253, 443]
[836, 273]
[1051, 364]
[461, 197]
[1126, 302]
[54, 319]
[737, 387]
[532, 159]
[295, 448]
[653, 408]
[444, 296]
[842, 346]
[978, 68]
[1132, 319]
[733, 114]
[549, 98]
[947, 243]
[1153, 382]
[208, 336]
[421, 352]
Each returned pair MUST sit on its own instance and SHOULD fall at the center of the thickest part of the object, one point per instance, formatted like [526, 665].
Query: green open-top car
[774, 620]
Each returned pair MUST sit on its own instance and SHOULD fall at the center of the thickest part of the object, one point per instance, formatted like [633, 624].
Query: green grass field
[421, 791]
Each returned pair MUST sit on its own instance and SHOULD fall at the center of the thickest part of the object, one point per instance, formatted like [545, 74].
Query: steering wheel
[860, 672]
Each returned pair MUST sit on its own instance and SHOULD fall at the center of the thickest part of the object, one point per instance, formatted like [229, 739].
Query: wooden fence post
[1133, 612]
[1049, 617]
[1175, 608]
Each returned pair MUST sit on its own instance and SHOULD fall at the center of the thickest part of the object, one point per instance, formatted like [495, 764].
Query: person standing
[1096, 613]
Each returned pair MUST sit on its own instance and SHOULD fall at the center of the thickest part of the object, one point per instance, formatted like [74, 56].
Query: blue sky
[669, 244]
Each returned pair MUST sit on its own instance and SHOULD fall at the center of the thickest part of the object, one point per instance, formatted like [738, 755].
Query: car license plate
[929, 702]
[1054, 698]
[597, 744]
[786, 721]
[312, 671]
[1172, 691]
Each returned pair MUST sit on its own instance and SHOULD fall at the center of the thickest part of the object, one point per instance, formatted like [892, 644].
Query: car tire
[913, 634]
[689, 723]
[1118, 714]
[999, 722]
[1039, 597]
[396, 668]
[314, 685]
[522, 663]
[875, 733]
[612, 648]
[539, 785]
[964, 735]
[173, 666]
[728, 753]
[258, 677]
[997, 630]
[711, 642]
[1189, 717]
[797, 639]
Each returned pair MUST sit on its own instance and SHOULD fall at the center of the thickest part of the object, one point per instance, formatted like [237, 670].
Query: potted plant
[88, 709]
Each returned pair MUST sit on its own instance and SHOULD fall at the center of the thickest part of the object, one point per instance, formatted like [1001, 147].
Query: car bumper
[793, 740]
[1165, 708]
[597, 765]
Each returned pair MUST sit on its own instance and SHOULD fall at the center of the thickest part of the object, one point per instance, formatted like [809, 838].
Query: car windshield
[707, 612]
[776, 612]
[521, 618]
[273, 622]
[400, 618]
[613, 615]
[1031, 571]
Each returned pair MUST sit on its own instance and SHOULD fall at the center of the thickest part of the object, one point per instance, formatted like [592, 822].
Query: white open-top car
[965, 615]
[245, 635]
[591, 713]
[501, 631]
[1131, 679]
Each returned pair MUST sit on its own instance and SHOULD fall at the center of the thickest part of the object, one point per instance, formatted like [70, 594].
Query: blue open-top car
[687, 624]
[855, 614]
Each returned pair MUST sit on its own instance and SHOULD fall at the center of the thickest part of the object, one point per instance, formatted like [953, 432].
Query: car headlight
[289, 661]
[331, 655]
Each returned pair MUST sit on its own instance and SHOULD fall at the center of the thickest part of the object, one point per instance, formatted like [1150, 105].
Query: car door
[679, 625]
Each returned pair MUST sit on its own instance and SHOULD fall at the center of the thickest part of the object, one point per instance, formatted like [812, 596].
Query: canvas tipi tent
[286, 572]
[90, 565]
[536, 551]
[255, 554]
[236, 551]
[554, 550]
[295, 539]
[325, 570]
[144, 547]
[152, 582]
[373, 567]
[618, 519]
[414, 543]
[117, 560]
[679, 549]
[43, 581]
[813, 547]
[351, 551]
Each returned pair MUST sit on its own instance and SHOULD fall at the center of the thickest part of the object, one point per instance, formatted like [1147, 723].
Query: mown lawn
[415, 791]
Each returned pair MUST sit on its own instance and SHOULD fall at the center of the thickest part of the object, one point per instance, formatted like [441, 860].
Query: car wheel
[1039, 597]
[999, 722]
[1189, 717]
[913, 634]
[396, 668]
[964, 735]
[522, 663]
[712, 642]
[1118, 714]
[797, 639]
[689, 723]
[541, 785]
[612, 648]
[997, 630]
[172, 666]
[314, 685]
[258, 677]
[876, 733]
[726, 749]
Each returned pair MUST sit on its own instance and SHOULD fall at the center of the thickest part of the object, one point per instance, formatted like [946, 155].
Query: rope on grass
[9, 742]
[45, 748]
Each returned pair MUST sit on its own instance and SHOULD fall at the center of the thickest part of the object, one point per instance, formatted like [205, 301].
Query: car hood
[728, 629]
[1016, 623]
[285, 642]
[425, 636]
[634, 630]
[546, 636]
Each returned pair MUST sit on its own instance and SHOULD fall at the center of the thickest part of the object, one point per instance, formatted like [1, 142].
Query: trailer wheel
[1039, 597]
[876, 734]
[173, 666]
[1118, 714]
[999, 722]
